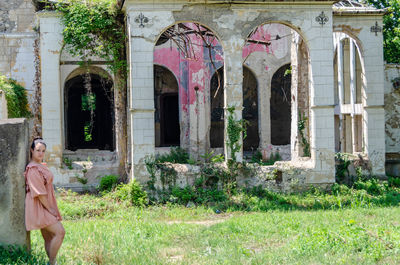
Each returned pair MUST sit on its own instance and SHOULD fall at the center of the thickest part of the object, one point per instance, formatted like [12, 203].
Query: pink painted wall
[198, 70]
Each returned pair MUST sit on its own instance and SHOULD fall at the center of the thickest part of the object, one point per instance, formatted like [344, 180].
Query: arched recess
[280, 106]
[349, 81]
[166, 104]
[89, 110]
[250, 109]
[269, 47]
[217, 110]
[192, 52]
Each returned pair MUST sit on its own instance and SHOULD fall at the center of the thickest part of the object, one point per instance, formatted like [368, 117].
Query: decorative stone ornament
[322, 19]
[396, 83]
[141, 20]
[376, 28]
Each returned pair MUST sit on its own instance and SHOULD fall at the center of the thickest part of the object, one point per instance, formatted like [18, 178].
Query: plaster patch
[226, 22]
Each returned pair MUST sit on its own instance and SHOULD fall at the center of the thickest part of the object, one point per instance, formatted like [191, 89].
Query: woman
[41, 211]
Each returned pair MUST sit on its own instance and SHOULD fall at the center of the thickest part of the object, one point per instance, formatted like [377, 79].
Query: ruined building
[277, 63]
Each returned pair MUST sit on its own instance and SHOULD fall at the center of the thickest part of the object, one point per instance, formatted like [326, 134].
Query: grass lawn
[99, 231]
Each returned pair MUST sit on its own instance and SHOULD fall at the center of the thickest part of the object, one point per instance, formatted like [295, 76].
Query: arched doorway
[89, 116]
[269, 51]
[250, 110]
[166, 103]
[192, 53]
[280, 106]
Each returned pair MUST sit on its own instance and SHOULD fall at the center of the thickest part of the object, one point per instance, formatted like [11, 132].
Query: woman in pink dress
[41, 211]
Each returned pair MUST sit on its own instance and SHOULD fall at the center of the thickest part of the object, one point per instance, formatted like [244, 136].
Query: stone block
[13, 158]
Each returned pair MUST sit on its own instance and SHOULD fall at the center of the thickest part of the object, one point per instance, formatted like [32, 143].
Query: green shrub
[17, 99]
[394, 182]
[176, 155]
[122, 192]
[107, 183]
[257, 158]
[372, 186]
[340, 189]
[138, 195]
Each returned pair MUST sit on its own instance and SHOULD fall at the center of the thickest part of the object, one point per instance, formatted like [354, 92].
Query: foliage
[391, 28]
[150, 163]
[301, 126]
[108, 182]
[138, 195]
[16, 97]
[19, 255]
[257, 158]
[94, 28]
[176, 155]
[211, 157]
[342, 167]
[394, 182]
[235, 129]
[67, 162]
[83, 180]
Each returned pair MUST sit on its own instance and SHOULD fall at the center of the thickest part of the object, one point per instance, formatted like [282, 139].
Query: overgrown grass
[346, 226]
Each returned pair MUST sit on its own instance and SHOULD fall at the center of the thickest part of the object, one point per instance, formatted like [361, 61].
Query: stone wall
[18, 39]
[3, 106]
[13, 158]
[392, 120]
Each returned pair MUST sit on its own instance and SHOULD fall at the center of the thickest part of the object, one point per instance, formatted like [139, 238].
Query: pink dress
[39, 181]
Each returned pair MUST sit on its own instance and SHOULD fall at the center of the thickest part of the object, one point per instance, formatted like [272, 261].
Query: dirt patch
[173, 254]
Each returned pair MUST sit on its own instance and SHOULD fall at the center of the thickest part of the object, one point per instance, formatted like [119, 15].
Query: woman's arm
[46, 204]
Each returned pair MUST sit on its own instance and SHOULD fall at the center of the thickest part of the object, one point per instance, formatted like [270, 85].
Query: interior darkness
[166, 102]
[217, 110]
[281, 106]
[77, 115]
[170, 119]
[250, 110]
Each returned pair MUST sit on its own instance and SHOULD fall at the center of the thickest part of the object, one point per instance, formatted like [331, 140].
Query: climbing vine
[95, 28]
[16, 97]
[301, 125]
[235, 128]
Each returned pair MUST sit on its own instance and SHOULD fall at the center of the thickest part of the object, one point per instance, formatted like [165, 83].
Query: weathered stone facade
[392, 119]
[17, 41]
[315, 41]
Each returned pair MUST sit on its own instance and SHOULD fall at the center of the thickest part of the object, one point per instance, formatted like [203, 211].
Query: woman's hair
[37, 140]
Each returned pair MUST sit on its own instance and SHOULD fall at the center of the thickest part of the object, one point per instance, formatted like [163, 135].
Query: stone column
[141, 102]
[143, 30]
[13, 158]
[233, 85]
[300, 94]
[373, 116]
[322, 104]
[52, 104]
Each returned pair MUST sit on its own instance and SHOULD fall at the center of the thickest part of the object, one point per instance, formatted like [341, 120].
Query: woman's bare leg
[58, 232]
[47, 236]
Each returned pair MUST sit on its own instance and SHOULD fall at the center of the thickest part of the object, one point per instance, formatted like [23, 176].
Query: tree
[391, 28]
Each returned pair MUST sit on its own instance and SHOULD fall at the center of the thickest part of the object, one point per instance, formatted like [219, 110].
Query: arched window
[166, 102]
[280, 105]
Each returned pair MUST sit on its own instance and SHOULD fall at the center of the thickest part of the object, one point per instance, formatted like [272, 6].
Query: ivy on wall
[94, 28]
[16, 97]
